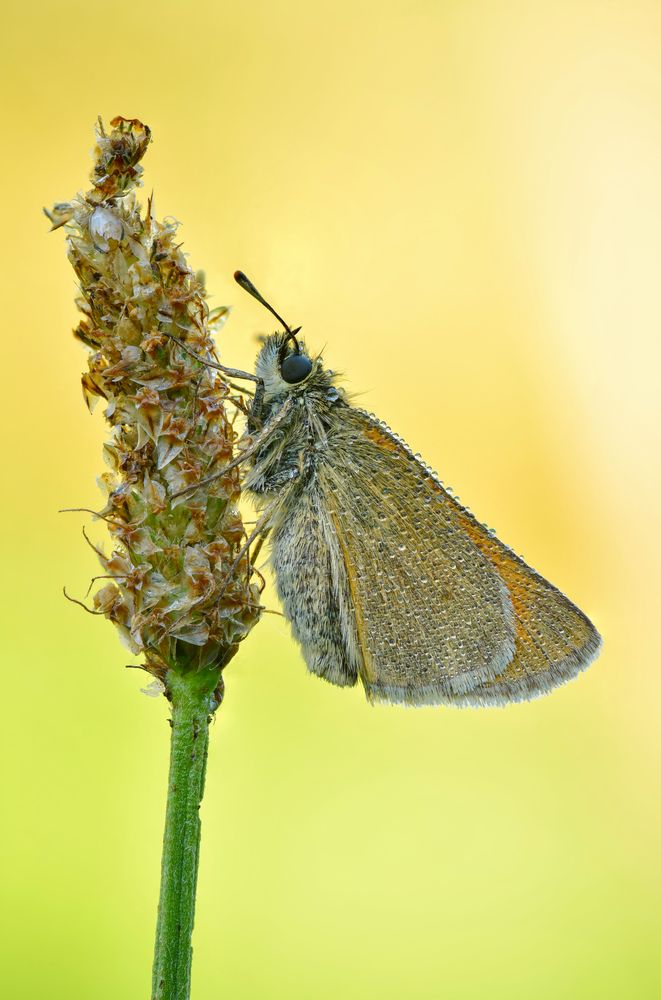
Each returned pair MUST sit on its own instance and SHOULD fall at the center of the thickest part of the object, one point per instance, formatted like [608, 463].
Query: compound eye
[295, 368]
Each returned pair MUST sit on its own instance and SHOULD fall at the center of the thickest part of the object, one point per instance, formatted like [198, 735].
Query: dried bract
[169, 593]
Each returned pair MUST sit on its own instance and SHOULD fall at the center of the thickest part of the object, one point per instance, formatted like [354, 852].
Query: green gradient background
[463, 202]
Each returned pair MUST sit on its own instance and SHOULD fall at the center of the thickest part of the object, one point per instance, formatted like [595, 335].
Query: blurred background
[461, 200]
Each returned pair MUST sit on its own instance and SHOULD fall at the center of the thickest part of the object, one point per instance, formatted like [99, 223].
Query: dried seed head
[169, 423]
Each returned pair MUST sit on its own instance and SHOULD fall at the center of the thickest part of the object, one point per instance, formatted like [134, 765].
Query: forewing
[432, 614]
[444, 611]
[554, 639]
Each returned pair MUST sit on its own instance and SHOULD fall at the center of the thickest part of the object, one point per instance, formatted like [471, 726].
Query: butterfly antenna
[247, 285]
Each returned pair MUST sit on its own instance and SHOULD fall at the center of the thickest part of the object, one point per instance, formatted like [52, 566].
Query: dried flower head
[171, 592]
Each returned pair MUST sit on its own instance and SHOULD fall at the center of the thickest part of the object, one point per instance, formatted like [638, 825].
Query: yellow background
[462, 200]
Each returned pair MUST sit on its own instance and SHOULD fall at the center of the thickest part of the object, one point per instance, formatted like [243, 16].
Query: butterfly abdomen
[311, 585]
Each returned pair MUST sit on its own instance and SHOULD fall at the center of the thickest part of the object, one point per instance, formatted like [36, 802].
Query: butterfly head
[285, 368]
[283, 364]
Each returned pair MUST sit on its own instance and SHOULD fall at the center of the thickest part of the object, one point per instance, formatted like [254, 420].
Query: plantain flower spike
[172, 588]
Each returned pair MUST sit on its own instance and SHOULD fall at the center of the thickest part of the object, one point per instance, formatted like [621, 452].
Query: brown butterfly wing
[554, 639]
[444, 612]
[432, 615]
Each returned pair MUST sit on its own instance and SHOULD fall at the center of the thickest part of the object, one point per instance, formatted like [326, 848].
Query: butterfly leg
[260, 531]
[255, 422]
[231, 372]
[247, 453]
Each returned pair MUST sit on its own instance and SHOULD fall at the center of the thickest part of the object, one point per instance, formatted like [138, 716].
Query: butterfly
[383, 575]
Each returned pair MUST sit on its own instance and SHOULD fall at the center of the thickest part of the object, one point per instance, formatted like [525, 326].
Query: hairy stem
[192, 705]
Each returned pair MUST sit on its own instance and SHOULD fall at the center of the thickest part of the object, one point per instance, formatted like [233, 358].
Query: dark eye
[295, 368]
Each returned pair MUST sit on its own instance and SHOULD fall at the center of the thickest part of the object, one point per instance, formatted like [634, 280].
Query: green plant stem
[191, 695]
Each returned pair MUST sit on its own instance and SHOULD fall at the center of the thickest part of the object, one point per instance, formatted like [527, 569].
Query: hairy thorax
[289, 459]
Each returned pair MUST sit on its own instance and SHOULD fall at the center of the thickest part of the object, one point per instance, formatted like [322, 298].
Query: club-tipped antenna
[247, 285]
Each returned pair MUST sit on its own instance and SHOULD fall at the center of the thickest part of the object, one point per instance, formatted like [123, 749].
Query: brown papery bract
[171, 423]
